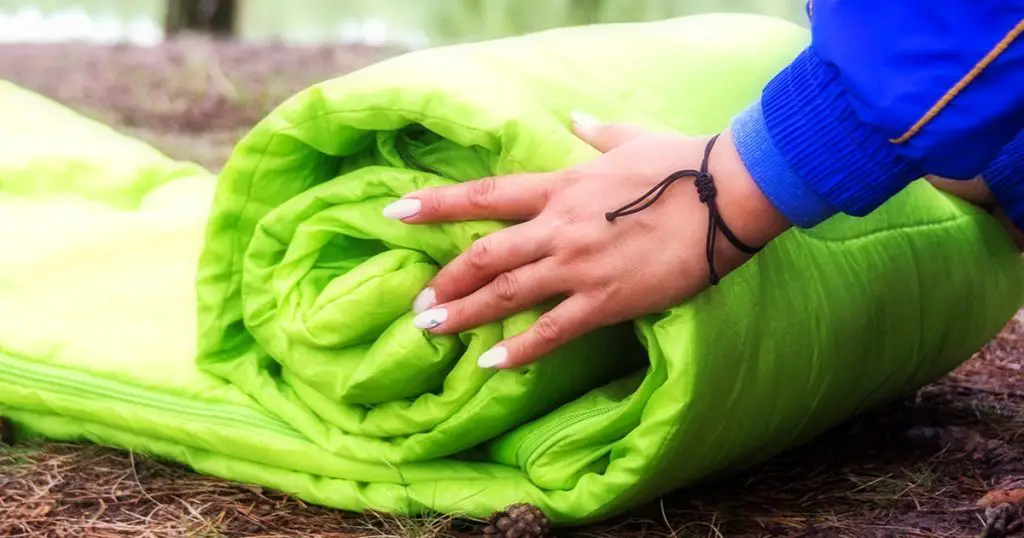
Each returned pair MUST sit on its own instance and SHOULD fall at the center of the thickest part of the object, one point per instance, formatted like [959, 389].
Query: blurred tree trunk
[586, 11]
[204, 16]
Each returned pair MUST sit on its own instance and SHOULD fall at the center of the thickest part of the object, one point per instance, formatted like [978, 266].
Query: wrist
[742, 204]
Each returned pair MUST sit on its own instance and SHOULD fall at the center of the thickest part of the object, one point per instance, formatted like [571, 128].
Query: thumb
[604, 137]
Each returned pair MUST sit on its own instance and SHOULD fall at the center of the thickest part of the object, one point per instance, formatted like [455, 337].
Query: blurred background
[407, 23]
[191, 77]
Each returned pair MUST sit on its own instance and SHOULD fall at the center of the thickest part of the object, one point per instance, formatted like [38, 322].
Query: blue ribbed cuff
[1005, 178]
[810, 152]
[801, 206]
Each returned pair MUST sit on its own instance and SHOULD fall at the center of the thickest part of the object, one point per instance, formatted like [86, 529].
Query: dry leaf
[1001, 496]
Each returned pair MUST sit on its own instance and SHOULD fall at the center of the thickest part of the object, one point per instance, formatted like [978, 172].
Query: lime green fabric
[256, 326]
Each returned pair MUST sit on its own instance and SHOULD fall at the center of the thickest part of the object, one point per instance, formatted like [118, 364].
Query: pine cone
[518, 521]
[6, 432]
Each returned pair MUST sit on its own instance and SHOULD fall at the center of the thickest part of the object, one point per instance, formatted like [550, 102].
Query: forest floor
[946, 461]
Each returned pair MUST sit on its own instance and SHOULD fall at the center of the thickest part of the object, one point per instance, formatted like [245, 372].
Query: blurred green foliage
[416, 21]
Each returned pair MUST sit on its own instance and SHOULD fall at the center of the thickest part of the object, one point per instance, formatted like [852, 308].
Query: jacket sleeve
[885, 93]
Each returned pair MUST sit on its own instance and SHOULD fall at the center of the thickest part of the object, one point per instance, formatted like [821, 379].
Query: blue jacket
[886, 92]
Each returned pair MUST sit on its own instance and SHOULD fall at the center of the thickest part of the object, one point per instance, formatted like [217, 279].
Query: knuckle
[576, 251]
[549, 329]
[506, 287]
[603, 293]
[571, 176]
[548, 188]
[480, 193]
[571, 215]
[479, 254]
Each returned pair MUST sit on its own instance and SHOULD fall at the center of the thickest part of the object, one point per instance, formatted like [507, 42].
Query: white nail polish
[582, 119]
[424, 300]
[495, 356]
[402, 208]
[430, 318]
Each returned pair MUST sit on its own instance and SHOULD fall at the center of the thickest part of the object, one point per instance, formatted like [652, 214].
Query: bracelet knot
[706, 192]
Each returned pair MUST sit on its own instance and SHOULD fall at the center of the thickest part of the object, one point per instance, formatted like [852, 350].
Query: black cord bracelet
[705, 184]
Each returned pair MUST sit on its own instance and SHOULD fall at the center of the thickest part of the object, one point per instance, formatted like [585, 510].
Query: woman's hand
[563, 246]
[977, 192]
[973, 190]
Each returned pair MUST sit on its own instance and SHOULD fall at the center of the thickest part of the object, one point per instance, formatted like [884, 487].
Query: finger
[485, 259]
[604, 137]
[507, 294]
[570, 319]
[510, 197]
[973, 190]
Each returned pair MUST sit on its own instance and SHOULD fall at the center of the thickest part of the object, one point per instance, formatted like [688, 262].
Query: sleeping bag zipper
[536, 439]
[22, 373]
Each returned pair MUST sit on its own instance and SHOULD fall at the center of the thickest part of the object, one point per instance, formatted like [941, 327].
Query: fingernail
[426, 299]
[495, 356]
[584, 120]
[401, 209]
[430, 318]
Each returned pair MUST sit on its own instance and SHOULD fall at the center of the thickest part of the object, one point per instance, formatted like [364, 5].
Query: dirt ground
[943, 462]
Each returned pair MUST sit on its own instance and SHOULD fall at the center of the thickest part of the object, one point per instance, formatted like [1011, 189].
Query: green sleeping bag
[257, 327]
